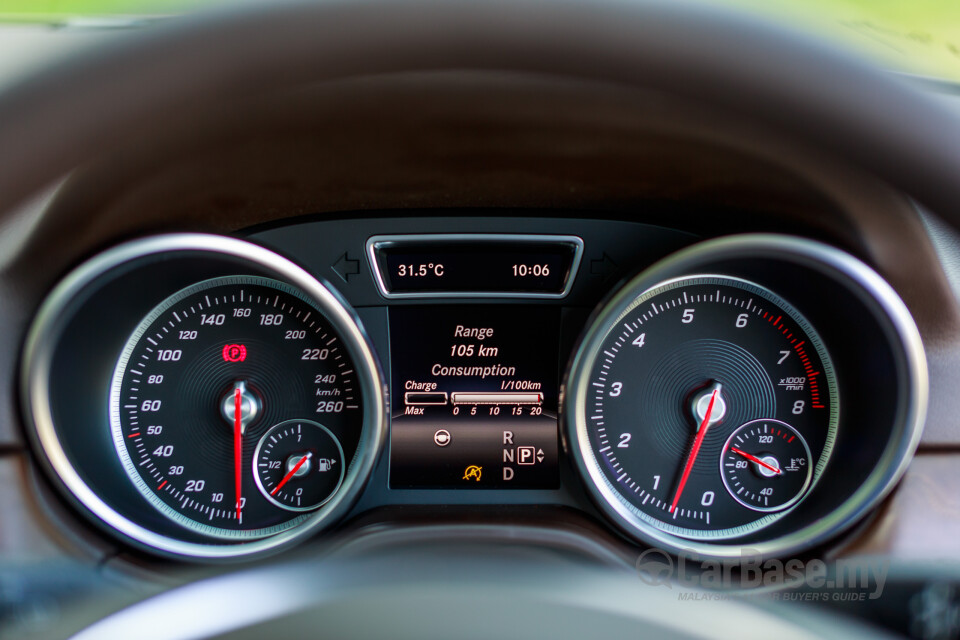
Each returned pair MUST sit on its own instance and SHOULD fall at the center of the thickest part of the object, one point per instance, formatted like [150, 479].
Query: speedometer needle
[291, 473]
[752, 458]
[704, 425]
[238, 445]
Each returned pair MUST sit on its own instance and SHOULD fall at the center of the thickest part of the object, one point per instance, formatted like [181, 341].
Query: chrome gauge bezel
[820, 259]
[50, 322]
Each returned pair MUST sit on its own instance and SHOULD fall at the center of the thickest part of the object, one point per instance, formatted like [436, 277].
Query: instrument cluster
[204, 397]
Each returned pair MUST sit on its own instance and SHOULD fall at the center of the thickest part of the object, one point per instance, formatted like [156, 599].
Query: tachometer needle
[291, 473]
[752, 458]
[238, 445]
[704, 425]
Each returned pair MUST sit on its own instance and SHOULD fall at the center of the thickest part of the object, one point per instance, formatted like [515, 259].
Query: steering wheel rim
[456, 583]
[55, 121]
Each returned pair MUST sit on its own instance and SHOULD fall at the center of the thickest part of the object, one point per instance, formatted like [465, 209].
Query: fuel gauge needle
[238, 446]
[697, 442]
[291, 473]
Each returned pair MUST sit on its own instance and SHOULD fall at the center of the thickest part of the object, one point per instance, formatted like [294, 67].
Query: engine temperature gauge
[298, 465]
[766, 465]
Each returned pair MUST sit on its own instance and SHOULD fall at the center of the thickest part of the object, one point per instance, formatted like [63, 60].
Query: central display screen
[474, 397]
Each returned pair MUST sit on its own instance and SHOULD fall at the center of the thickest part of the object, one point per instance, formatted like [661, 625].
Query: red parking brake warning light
[234, 353]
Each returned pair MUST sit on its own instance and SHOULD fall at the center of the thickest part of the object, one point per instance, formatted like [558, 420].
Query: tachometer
[684, 366]
[748, 396]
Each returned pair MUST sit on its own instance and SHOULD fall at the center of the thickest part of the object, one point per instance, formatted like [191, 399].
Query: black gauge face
[205, 377]
[693, 369]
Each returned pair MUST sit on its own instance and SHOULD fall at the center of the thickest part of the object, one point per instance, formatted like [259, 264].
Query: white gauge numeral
[656, 482]
[615, 389]
[741, 321]
[783, 356]
[687, 316]
[336, 406]
[624, 441]
[707, 498]
[798, 407]
[639, 340]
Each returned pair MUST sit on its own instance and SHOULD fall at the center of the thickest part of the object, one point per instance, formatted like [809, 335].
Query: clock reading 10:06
[535, 270]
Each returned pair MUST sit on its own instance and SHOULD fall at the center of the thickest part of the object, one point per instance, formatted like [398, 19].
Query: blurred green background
[915, 36]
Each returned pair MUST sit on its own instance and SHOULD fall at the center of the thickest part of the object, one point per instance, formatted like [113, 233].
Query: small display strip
[474, 265]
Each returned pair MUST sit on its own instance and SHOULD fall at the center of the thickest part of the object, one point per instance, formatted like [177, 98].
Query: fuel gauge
[298, 465]
[765, 465]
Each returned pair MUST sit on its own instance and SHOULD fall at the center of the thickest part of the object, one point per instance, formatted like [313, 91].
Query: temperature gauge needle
[752, 458]
[698, 441]
[291, 473]
[238, 445]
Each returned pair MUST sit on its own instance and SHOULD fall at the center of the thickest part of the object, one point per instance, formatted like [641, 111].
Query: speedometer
[205, 376]
[231, 403]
